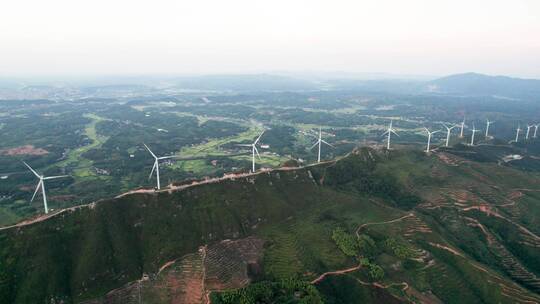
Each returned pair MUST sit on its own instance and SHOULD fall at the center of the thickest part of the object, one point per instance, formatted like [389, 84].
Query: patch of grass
[8, 217]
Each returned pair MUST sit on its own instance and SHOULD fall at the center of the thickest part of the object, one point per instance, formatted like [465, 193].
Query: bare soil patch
[24, 150]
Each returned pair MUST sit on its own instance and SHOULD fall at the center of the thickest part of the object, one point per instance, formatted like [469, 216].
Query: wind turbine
[253, 151]
[429, 137]
[156, 164]
[319, 142]
[389, 131]
[488, 123]
[41, 184]
[448, 130]
[462, 127]
[517, 133]
[535, 129]
[474, 130]
[528, 131]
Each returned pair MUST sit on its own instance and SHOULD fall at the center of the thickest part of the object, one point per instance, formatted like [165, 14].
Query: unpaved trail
[382, 223]
[337, 272]
[347, 270]
[451, 250]
[169, 189]
[491, 212]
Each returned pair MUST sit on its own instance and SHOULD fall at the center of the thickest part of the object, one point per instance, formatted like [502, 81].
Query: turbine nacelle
[389, 132]
[429, 138]
[254, 150]
[448, 130]
[488, 123]
[474, 130]
[319, 142]
[155, 167]
[41, 185]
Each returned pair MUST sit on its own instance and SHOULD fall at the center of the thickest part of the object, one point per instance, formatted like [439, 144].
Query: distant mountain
[479, 84]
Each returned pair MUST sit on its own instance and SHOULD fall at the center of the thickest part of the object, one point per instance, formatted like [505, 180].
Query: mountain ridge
[481, 84]
[82, 255]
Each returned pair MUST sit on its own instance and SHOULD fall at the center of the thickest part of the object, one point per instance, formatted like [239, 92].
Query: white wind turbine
[429, 137]
[448, 130]
[462, 127]
[528, 131]
[488, 123]
[41, 185]
[319, 142]
[253, 151]
[535, 129]
[517, 133]
[156, 164]
[474, 130]
[389, 131]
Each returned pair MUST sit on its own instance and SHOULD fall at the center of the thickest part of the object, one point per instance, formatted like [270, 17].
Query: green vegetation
[284, 291]
[85, 253]
[399, 249]
[459, 224]
[375, 271]
[346, 242]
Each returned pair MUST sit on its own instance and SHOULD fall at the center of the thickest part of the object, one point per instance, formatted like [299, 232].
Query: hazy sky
[430, 37]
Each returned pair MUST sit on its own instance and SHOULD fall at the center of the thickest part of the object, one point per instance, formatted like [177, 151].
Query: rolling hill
[483, 85]
[375, 226]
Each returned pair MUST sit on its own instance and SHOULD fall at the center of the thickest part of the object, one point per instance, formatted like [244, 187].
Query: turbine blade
[395, 133]
[35, 173]
[55, 177]
[314, 145]
[243, 145]
[153, 168]
[385, 133]
[167, 157]
[37, 189]
[150, 151]
[322, 140]
[257, 140]
[257, 151]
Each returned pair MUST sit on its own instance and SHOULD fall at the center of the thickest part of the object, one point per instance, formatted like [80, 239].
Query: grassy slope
[84, 254]
[8, 217]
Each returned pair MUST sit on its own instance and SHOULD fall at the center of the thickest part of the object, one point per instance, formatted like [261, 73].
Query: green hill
[375, 226]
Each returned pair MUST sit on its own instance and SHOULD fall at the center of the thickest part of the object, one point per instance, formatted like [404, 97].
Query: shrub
[345, 241]
[285, 291]
[400, 250]
[375, 271]
[366, 245]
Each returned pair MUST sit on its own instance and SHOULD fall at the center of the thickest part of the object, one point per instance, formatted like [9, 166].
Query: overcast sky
[421, 37]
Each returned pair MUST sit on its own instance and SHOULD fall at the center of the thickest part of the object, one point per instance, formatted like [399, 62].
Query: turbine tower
[319, 142]
[517, 133]
[474, 130]
[41, 185]
[429, 138]
[448, 130]
[253, 151]
[389, 131]
[535, 129]
[488, 123]
[156, 165]
[462, 127]
[528, 131]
